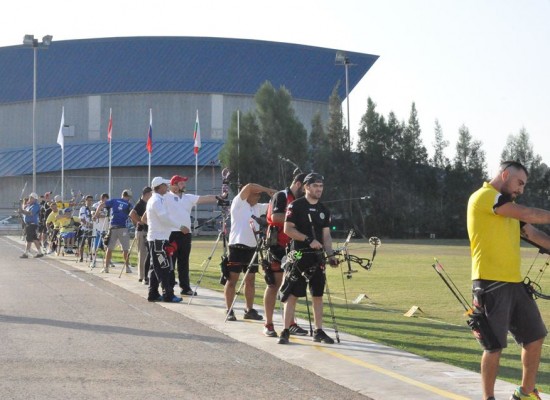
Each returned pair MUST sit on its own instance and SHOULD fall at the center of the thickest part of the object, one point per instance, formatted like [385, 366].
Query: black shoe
[319, 335]
[297, 330]
[157, 298]
[188, 292]
[283, 338]
[252, 314]
[39, 255]
[231, 315]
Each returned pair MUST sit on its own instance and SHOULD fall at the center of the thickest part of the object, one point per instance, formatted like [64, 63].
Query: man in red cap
[180, 205]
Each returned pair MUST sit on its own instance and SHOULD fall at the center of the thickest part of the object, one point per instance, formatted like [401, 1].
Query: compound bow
[533, 285]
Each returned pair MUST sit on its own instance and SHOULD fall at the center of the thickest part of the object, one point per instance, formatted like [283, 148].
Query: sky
[484, 64]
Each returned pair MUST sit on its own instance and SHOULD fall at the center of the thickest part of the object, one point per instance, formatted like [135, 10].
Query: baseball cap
[178, 178]
[159, 180]
[313, 177]
[33, 195]
[126, 193]
[299, 177]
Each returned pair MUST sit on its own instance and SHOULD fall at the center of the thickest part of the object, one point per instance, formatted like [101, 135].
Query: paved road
[67, 334]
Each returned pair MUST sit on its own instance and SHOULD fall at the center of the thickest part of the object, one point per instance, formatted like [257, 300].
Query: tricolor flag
[150, 133]
[197, 135]
[60, 137]
[110, 127]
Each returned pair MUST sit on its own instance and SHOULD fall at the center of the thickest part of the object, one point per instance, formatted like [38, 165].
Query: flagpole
[150, 143]
[196, 148]
[62, 173]
[109, 134]
[61, 142]
[238, 150]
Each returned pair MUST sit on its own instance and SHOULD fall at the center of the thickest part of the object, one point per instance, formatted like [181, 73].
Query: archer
[495, 225]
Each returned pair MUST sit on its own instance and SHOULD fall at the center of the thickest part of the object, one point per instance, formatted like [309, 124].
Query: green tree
[239, 153]
[282, 134]
[337, 134]
[439, 159]
[519, 148]
[318, 151]
[412, 149]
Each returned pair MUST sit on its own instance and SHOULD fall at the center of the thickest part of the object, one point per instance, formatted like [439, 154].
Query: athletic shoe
[231, 315]
[519, 395]
[269, 330]
[297, 330]
[146, 281]
[128, 270]
[24, 255]
[158, 298]
[285, 335]
[105, 270]
[319, 335]
[188, 292]
[175, 299]
[39, 255]
[252, 314]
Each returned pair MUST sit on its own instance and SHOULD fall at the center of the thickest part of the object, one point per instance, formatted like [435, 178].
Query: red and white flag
[197, 135]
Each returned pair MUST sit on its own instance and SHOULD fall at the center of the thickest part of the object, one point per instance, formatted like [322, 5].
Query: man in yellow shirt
[495, 224]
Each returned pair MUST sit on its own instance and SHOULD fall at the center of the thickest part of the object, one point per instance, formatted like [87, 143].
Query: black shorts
[31, 232]
[511, 308]
[317, 279]
[240, 257]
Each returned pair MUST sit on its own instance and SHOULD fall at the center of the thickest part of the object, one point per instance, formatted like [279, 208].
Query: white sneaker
[105, 270]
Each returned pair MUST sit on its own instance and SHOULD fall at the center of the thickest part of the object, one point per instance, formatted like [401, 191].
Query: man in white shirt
[180, 205]
[159, 221]
[85, 233]
[100, 227]
[242, 246]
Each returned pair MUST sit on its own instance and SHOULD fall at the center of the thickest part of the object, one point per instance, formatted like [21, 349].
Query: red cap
[177, 178]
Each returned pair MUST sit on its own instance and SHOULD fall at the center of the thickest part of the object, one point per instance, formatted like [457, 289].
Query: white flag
[60, 137]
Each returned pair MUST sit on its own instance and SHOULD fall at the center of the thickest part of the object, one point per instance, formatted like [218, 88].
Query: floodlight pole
[29, 40]
[343, 59]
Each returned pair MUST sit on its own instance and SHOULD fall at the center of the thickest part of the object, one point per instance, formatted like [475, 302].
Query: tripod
[222, 236]
[96, 238]
[259, 256]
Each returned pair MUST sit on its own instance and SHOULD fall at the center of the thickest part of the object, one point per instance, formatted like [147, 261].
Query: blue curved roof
[124, 153]
[174, 64]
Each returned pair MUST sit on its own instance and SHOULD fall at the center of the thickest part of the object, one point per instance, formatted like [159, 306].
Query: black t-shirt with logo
[299, 213]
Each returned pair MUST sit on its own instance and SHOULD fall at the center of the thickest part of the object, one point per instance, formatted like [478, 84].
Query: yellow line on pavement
[392, 374]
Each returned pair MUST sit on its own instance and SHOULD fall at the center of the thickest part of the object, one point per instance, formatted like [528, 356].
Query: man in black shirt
[307, 223]
[141, 234]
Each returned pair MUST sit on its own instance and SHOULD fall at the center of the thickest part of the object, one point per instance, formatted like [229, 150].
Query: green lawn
[402, 276]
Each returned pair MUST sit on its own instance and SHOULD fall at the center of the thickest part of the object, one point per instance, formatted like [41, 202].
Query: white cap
[158, 180]
[33, 195]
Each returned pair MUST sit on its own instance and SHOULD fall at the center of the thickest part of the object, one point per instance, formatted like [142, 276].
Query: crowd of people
[289, 238]
[261, 234]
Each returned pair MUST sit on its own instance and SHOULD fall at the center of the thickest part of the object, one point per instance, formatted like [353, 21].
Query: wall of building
[174, 114]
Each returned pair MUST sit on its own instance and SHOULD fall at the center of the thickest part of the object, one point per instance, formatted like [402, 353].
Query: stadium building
[171, 78]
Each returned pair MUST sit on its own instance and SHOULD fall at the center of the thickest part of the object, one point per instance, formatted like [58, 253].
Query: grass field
[402, 277]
